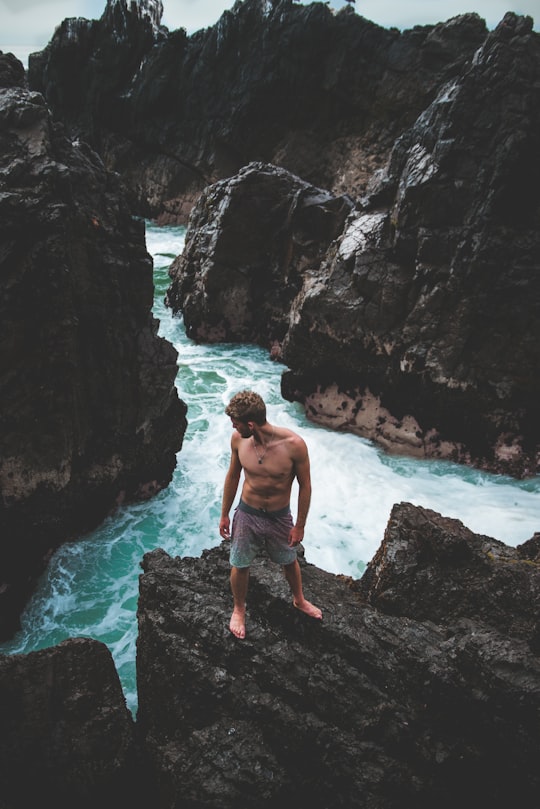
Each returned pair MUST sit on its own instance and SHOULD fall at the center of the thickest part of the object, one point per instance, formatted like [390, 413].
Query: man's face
[243, 427]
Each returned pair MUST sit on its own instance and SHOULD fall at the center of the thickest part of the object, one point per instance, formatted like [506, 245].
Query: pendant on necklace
[260, 458]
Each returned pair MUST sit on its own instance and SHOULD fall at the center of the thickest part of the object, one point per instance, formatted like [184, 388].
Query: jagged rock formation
[90, 416]
[252, 241]
[322, 94]
[418, 326]
[420, 687]
[441, 351]
[88, 65]
[67, 736]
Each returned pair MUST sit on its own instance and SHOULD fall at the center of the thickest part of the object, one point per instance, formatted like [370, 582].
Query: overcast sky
[27, 25]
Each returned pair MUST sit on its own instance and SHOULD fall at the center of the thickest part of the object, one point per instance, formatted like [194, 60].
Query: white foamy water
[91, 586]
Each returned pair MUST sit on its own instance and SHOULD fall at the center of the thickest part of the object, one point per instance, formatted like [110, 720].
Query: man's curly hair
[247, 406]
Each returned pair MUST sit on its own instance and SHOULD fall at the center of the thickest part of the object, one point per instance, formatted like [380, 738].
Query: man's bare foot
[238, 622]
[309, 608]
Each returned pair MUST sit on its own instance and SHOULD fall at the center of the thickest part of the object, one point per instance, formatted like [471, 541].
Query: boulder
[253, 241]
[67, 736]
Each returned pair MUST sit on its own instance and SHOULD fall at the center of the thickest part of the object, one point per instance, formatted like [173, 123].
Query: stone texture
[414, 321]
[411, 705]
[67, 736]
[420, 687]
[416, 326]
[90, 416]
[252, 241]
[322, 94]
[440, 271]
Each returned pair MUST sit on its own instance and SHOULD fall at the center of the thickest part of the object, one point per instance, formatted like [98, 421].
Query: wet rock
[252, 240]
[419, 687]
[320, 93]
[424, 334]
[408, 705]
[67, 736]
[90, 415]
[412, 322]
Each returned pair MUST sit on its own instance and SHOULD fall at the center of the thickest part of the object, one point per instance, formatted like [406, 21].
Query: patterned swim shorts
[255, 530]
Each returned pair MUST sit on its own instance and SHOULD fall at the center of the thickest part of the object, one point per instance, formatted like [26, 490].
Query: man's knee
[239, 571]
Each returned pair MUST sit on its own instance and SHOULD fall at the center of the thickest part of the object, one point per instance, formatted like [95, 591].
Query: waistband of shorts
[262, 512]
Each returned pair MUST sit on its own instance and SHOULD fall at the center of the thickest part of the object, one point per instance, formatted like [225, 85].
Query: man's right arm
[230, 487]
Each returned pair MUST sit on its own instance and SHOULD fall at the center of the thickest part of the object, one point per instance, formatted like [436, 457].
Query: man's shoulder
[236, 439]
[295, 441]
[293, 434]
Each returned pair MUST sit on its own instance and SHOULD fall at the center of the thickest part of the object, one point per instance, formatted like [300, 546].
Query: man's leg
[239, 588]
[293, 575]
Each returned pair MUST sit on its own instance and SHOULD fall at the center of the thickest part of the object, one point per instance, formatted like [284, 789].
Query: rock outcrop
[417, 325]
[420, 687]
[253, 241]
[67, 736]
[440, 352]
[90, 416]
[320, 93]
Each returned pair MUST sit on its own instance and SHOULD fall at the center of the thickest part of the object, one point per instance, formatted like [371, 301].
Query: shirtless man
[271, 458]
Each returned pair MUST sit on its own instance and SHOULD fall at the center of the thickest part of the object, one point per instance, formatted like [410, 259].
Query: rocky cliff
[90, 416]
[411, 315]
[419, 688]
[252, 242]
[67, 737]
[414, 320]
[322, 94]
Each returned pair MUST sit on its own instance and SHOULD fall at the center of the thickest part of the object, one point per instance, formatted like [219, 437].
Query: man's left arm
[303, 476]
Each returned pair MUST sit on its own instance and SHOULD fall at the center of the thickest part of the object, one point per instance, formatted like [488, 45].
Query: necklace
[260, 458]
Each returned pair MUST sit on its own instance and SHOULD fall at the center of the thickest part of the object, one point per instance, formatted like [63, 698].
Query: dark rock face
[251, 242]
[440, 351]
[420, 687]
[12, 72]
[481, 579]
[417, 324]
[416, 705]
[324, 95]
[90, 416]
[67, 736]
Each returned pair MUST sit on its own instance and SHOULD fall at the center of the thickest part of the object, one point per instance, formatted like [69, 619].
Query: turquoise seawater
[91, 586]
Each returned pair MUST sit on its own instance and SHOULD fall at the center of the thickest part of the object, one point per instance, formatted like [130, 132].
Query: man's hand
[296, 535]
[225, 527]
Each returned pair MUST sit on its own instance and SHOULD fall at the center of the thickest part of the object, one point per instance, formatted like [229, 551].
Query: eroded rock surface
[418, 327]
[67, 736]
[416, 323]
[320, 93]
[90, 416]
[419, 688]
[436, 351]
[252, 244]
[413, 706]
